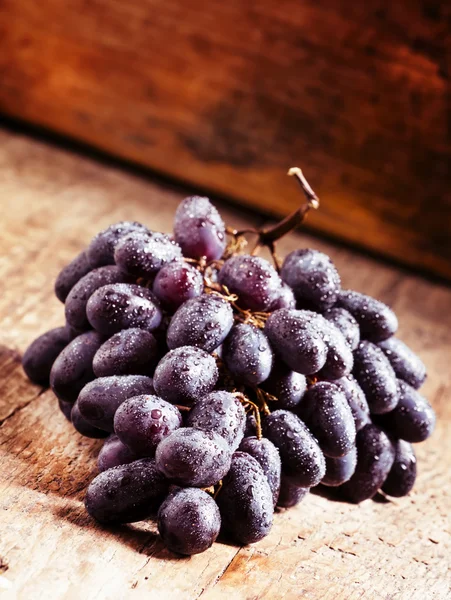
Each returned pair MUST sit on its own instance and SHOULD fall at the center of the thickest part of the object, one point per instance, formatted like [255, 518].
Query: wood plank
[227, 96]
[52, 202]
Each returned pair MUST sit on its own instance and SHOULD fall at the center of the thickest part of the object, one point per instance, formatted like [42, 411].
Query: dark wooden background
[227, 95]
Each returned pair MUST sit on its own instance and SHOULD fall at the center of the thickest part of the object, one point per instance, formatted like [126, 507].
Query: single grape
[376, 320]
[326, 412]
[267, 455]
[375, 456]
[40, 355]
[192, 457]
[340, 360]
[126, 493]
[114, 453]
[245, 501]
[284, 298]
[176, 283]
[203, 322]
[285, 385]
[199, 229]
[65, 408]
[247, 354]
[79, 295]
[250, 427]
[376, 377]
[339, 470]
[123, 306]
[83, 427]
[71, 274]
[222, 413]
[406, 364]
[101, 249]
[253, 279]
[72, 369]
[143, 421]
[185, 374]
[403, 473]
[413, 419]
[298, 338]
[143, 254]
[356, 400]
[302, 458]
[290, 494]
[189, 521]
[313, 277]
[99, 400]
[345, 322]
[128, 352]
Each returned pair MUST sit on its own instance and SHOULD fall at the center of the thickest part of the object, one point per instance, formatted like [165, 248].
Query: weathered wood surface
[52, 202]
[228, 94]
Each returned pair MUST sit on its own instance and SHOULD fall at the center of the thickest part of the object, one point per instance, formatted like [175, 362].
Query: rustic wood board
[52, 202]
[227, 95]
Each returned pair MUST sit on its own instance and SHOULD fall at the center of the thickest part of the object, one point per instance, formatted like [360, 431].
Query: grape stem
[269, 235]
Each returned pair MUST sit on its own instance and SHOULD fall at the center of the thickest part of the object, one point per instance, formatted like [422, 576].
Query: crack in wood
[220, 575]
[21, 407]
[4, 565]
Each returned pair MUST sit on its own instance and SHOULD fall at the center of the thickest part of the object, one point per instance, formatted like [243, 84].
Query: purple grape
[222, 413]
[290, 494]
[245, 501]
[79, 295]
[313, 277]
[189, 521]
[267, 455]
[122, 306]
[143, 254]
[72, 369]
[250, 428]
[340, 360]
[406, 364]
[356, 400]
[199, 229]
[71, 274]
[101, 249]
[284, 299]
[326, 412]
[253, 279]
[376, 377]
[176, 283]
[83, 427]
[143, 421]
[413, 419]
[65, 408]
[185, 374]
[376, 320]
[195, 458]
[298, 338]
[203, 322]
[375, 456]
[40, 355]
[114, 453]
[403, 473]
[302, 458]
[286, 385]
[339, 470]
[126, 493]
[247, 354]
[99, 400]
[128, 352]
[345, 322]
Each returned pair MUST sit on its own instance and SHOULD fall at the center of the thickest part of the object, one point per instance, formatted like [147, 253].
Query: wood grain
[51, 203]
[228, 95]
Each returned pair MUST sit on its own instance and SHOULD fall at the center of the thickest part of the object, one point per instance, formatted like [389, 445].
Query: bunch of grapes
[226, 387]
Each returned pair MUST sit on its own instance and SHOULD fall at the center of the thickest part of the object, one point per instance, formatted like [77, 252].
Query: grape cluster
[226, 387]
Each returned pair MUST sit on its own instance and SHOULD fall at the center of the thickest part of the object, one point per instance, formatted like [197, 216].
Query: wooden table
[52, 202]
